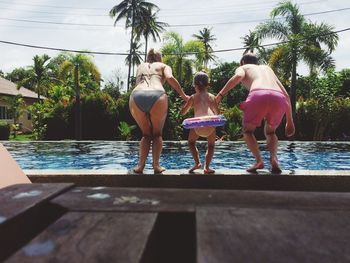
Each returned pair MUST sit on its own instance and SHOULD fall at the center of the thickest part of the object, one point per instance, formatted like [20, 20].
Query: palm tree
[73, 68]
[39, 75]
[177, 55]
[134, 57]
[87, 73]
[301, 40]
[130, 10]
[252, 42]
[147, 26]
[207, 38]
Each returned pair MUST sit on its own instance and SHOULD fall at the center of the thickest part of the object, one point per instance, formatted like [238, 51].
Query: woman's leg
[158, 115]
[143, 122]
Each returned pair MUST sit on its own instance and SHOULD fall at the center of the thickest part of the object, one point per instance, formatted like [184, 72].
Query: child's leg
[210, 152]
[192, 138]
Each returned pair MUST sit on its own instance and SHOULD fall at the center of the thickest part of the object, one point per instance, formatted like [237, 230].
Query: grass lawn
[22, 137]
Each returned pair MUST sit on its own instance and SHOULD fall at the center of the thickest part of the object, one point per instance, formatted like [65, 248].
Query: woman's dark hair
[154, 56]
[249, 58]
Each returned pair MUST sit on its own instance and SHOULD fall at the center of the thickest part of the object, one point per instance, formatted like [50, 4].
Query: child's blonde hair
[201, 79]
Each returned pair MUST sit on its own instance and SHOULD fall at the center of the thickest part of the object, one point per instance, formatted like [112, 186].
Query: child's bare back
[204, 104]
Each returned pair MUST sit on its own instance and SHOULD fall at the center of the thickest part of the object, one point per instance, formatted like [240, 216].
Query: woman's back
[150, 76]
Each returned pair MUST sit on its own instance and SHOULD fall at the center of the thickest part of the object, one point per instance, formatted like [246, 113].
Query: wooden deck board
[17, 199]
[91, 237]
[272, 235]
[185, 200]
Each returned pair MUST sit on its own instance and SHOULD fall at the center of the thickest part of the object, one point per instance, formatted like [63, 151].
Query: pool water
[107, 155]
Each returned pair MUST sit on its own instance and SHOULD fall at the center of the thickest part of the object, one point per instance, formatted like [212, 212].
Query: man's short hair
[249, 58]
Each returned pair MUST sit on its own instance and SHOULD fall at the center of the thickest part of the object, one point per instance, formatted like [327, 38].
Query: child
[203, 104]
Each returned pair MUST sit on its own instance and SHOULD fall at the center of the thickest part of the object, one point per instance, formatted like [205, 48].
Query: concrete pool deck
[297, 180]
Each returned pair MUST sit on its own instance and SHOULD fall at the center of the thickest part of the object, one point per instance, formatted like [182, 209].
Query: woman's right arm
[138, 74]
[168, 74]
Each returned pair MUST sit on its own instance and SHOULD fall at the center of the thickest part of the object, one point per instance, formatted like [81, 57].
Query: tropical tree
[182, 56]
[18, 74]
[301, 40]
[80, 69]
[147, 26]
[77, 67]
[38, 78]
[131, 10]
[206, 38]
[134, 57]
[15, 109]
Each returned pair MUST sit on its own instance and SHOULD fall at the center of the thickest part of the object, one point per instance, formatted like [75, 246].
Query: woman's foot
[158, 169]
[208, 171]
[195, 167]
[275, 166]
[258, 165]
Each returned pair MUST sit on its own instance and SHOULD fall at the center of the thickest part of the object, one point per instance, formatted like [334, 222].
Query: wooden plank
[272, 235]
[17, 199]
[25, 211]
[185, 200]
[91, 237]
[11, 173]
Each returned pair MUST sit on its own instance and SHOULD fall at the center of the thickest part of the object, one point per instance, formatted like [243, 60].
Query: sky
[51, 23]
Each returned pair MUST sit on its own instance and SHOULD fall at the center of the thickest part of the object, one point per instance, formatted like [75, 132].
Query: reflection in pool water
[124, 155]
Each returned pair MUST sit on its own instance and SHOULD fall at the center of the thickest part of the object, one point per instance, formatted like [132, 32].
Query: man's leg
[272, 143]
[248, 132]
[192, 138]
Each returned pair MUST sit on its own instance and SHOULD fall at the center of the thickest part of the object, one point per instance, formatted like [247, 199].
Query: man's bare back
[259, 77]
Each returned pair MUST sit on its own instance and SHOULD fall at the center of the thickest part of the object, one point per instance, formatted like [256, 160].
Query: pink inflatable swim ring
[204, 121]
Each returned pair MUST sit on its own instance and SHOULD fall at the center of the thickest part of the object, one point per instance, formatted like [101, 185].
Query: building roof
[9, 88]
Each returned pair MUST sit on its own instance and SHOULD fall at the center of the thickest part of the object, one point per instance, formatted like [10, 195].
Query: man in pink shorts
[267, 100]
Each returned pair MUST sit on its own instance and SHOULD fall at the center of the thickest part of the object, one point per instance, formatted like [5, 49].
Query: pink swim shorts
[264, 104]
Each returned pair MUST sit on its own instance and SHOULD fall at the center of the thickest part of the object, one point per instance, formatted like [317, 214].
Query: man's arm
[174, 83]
[290, 128]
[231, 83]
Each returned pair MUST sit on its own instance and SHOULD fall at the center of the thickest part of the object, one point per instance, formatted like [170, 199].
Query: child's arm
[187, 106]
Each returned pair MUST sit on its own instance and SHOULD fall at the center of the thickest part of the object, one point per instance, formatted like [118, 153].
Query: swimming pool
[110, 155]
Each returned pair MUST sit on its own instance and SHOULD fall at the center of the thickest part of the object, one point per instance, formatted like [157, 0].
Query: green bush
[233, 128]
[99, 117]
[334, 126]
[4, 130]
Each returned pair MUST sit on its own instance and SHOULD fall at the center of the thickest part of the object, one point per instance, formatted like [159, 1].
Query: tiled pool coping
[184, 172]
[299, 180]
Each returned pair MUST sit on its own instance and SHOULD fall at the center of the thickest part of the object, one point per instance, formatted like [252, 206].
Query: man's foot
[208, 171]
[158, 169]
[259, 165]
[275, 167]
[138, 170]
[195, 167]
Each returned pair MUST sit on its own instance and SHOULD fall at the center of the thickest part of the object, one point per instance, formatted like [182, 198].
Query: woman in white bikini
[149, 106]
